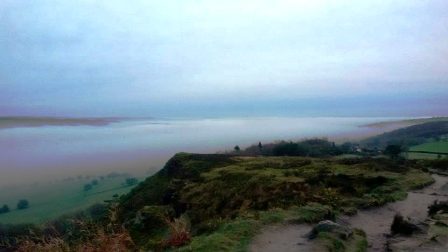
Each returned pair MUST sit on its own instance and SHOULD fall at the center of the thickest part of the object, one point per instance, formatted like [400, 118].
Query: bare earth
[375, 222]
[284, 238]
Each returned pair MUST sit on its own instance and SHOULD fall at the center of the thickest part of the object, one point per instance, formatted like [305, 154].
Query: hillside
[413, 135]
[406, 122]
[224, 200]
[216, 202]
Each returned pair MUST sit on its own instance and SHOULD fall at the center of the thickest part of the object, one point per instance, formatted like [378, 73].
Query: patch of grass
[415, 179]
[232, 236]
[417, 156]
[311, 213]
[435, 146]
[356, 243]
[272, 216]
[439, 146]
[331, 242]
[439, 228]
[235, 235]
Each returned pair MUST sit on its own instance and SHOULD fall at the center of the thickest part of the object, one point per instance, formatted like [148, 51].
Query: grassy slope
[50, 201]
[440, 147]
[229, 198]
[409, 136]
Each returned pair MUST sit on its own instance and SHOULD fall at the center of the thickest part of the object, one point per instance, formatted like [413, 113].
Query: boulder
[342, 231]
[438, 207]
[406, 226]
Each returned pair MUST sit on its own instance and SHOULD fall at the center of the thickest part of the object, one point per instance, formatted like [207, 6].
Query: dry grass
[179, 232]
[102, 241]
[93, 237]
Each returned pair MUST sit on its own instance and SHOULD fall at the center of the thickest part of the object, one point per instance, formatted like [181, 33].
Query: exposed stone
[342, 231]
[407, 226]
[438, 207]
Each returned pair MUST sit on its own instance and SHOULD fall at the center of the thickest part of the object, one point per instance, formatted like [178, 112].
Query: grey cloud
[150, 57]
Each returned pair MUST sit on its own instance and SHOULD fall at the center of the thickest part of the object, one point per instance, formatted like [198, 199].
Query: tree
[393, 150]
[237, 148]
[87, 187]
[290, 149]
[260, 147]
[347, 147]
[95, 182]
[22, 204]
[4, 209]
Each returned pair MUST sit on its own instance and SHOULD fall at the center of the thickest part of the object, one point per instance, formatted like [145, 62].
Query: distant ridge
[407, 122]
[412, 135]
[34, 121]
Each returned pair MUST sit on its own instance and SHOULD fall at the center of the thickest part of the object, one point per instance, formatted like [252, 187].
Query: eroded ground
[375, 223]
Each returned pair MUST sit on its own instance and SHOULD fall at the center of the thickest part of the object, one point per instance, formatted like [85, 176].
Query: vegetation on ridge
[214, 191]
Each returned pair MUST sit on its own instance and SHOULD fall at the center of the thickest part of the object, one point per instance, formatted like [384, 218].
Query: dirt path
[375, 222]
[284, 238]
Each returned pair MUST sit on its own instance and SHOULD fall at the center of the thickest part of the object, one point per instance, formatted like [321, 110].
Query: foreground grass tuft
[231, 236]
[356, 243]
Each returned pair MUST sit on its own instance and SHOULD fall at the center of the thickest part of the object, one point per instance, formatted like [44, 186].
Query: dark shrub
[98, 211]
[4, 209]
[289, 149]
[87, 187]
[320, 147]
[10, 235]
[393, 150]
[153, 217]
[22, 204]
[439, 164]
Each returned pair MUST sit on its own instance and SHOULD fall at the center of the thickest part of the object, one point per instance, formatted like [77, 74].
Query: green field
[49, 201]
[439, 147]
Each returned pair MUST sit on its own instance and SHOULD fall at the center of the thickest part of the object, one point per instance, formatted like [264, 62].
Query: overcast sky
[223, 58]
